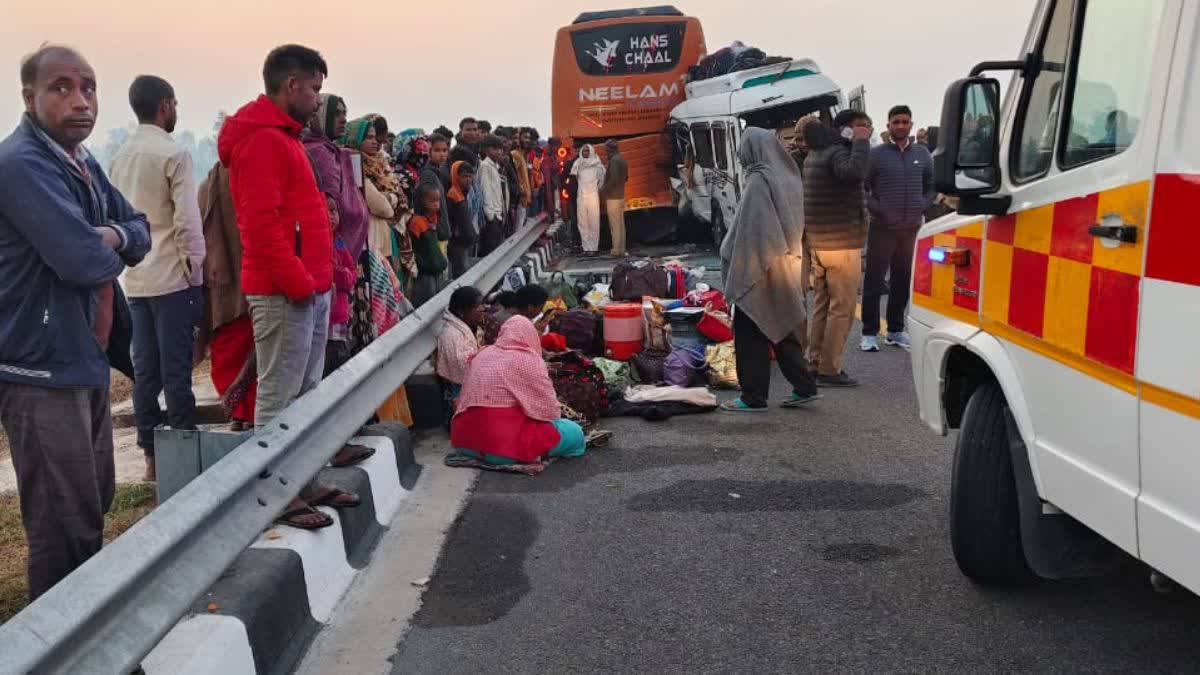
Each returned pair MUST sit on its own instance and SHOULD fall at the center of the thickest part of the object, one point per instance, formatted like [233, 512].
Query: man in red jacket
[287, 258]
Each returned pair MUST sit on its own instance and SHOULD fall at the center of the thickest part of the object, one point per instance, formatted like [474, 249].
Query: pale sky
[421, 64]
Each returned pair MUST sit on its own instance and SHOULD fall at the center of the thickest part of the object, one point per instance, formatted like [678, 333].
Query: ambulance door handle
[1123, 233]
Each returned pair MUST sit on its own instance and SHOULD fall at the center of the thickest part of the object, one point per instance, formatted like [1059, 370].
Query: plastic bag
[722, 366]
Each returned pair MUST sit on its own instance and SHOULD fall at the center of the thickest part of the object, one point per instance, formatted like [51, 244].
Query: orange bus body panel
[620, 78]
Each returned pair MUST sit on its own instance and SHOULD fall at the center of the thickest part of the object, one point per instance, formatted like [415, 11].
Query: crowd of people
[315, 233]
[847, 214]
[318, 231]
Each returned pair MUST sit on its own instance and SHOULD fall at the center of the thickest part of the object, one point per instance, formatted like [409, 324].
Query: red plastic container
[623, 331]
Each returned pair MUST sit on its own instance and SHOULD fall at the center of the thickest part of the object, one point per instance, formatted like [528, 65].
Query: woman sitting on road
[457, 343]
[508, 412]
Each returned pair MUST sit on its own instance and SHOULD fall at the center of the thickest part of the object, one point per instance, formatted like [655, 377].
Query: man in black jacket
[835, 230]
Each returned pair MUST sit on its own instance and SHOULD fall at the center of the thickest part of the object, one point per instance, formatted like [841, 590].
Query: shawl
[582, 162]
[323, 120]
[356, 133]
[762, 252]
[511, 373]
[456, 346]
[335, 177]
[224, 301]
[455, 193]
[419, 225]
[388, 304]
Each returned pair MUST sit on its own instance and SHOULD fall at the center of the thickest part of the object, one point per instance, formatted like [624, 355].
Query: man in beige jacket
[165, 296]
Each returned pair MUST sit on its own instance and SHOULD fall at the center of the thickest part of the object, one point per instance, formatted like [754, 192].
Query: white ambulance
[1056, 317]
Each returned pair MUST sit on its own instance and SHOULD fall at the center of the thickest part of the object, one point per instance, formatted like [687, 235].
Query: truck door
[1168, 354]
[1061, 294]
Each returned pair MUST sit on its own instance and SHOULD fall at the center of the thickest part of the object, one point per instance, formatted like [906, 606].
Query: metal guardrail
[112, 611]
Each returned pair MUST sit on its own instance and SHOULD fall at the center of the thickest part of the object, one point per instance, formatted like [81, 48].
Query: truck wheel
[985, 531]
[718, 224]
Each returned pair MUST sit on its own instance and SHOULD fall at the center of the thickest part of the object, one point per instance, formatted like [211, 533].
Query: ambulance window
[720, 147]
[1108, 95]
[1038, 115]
[702, 141]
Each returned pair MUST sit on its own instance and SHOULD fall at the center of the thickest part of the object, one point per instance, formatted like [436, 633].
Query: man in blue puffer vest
[65, 236]
[899, 188]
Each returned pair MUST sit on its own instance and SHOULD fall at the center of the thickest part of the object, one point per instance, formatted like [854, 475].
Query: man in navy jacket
[65, 236]
[899, 188]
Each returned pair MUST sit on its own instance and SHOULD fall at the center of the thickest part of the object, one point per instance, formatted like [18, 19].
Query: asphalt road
[792, 541]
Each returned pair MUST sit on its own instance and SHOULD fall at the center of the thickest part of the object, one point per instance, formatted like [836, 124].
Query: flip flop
[599, 439]
[361, 453]
[738, 405]
[306, 510]
[800, 400]
[331, 499]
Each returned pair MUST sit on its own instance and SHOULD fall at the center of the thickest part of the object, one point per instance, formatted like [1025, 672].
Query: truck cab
[706, 127]
[1054, 316]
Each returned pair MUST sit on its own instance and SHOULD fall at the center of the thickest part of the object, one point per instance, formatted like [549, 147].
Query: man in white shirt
[155, 175]
[494, 186]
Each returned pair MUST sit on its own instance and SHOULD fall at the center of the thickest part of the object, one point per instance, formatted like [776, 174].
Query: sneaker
[797, 400]
[898, 340]
[839, 380]
[870, 343]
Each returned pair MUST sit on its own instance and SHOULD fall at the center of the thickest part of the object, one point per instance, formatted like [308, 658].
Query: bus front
[617, 75]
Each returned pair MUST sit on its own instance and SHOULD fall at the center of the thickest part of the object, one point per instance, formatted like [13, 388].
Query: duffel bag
[635, 279]
[578, 326]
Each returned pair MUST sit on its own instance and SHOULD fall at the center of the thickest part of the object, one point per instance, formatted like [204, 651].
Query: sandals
[332, 497]
[738, 405]
[359, 453]
[598, 439]
[307, 510]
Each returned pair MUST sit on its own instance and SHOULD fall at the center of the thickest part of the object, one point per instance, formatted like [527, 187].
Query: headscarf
[510, 374]
[403, 143]
[455, 193]
[762, 252]
[322, 121]
[375, 167]
[356, 133]
[582, 162]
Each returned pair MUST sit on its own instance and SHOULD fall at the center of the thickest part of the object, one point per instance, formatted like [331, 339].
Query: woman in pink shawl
[508, 412]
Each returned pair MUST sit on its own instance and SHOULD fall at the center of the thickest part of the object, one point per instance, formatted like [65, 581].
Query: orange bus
[618, 74]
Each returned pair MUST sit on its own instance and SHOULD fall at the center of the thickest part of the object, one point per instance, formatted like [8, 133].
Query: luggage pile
[647, 323]
[736, 57]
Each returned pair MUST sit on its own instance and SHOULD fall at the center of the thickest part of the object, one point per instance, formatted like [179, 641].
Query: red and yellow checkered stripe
[1042, 279]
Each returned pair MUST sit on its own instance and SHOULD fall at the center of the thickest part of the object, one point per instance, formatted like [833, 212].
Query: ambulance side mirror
[967, 160]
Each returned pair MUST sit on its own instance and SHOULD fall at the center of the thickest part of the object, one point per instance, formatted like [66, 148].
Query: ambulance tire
[985, 531]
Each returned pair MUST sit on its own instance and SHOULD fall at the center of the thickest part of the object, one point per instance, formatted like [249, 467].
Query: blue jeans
[162, 361]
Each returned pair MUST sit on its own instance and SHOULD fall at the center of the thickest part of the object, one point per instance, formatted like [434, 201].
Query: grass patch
[132, 502]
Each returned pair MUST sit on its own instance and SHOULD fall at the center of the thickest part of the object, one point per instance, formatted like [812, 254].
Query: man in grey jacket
[899, 187]
[835, 230]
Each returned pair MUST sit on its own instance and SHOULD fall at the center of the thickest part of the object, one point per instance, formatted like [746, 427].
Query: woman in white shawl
[762, 259]
[589, 171]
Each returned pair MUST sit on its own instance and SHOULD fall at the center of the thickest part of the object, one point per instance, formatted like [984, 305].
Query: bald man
[65, 236]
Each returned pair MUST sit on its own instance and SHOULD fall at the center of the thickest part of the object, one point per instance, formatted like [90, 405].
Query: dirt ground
[120, 390]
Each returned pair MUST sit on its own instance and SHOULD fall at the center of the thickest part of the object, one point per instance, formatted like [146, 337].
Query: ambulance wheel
[718, 225]
[985, 531]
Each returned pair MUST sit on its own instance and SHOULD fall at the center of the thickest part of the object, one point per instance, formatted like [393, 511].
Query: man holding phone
[835, 231]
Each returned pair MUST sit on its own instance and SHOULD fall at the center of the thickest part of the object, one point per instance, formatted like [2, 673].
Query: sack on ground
[635, 279]
[722, 366]
[616, 373]
[514, 279]
[685, 367]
